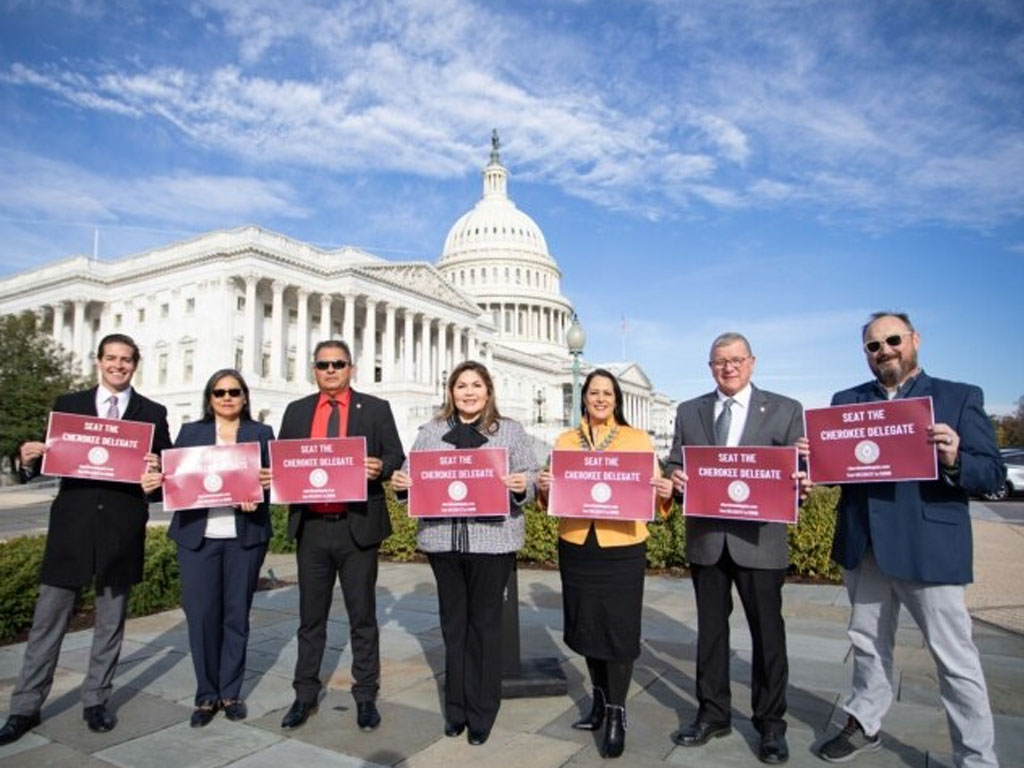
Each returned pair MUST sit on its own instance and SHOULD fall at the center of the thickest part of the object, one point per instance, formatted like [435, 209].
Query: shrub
[160, 588]
[541, 537]
[280, 543]
[19, 583]
[666, 546]
[21, 559]
[401, 544]
[810, 541]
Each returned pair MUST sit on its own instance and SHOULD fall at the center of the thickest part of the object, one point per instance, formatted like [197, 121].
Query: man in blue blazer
[97, 535]
[909, 544]
[340, 541]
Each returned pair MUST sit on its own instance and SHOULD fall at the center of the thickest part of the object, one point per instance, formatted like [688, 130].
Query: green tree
[33, 371]
[1010, 428]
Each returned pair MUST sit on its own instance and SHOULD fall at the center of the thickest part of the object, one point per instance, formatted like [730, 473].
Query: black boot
[615, 731]
[595, 719]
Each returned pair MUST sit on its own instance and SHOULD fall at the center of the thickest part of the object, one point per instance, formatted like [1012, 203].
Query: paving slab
[503, 748]
[290, 752]
[218, 744]
[136, 714]
[403, 729]
[52, 756]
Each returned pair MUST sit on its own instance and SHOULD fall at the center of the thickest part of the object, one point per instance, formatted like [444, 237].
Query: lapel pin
[762, 409]
[359, 405]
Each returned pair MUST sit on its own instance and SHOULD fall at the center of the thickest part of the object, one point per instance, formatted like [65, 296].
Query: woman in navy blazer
[220, 551]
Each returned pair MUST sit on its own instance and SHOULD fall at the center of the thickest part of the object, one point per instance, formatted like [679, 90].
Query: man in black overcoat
[97, 532]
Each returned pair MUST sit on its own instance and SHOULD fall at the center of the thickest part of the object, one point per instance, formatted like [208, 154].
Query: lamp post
[538, 400]
[575, 338]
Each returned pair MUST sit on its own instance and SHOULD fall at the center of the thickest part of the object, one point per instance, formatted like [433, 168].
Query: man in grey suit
[752, 555]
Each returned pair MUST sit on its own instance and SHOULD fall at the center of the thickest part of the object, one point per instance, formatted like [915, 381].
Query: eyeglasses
[323, 365]
[722, 363]
[893, 341]
[233, 392]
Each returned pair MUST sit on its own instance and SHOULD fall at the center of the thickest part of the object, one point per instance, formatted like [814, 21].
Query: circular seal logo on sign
[318, 478]
[98, 455]
[212, 483]
[867, 451]
[600, 493]
[457, 490]
[739, 491]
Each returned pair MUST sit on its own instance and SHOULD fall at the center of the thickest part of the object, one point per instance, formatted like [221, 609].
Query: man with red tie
[340, 541]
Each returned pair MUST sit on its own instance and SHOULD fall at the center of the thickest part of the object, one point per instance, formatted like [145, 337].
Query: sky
[780, 168]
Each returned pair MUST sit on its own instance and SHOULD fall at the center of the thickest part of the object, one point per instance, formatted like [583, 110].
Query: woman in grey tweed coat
[473, 557]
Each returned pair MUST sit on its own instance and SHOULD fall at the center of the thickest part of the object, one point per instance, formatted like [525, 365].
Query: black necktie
[334, 421]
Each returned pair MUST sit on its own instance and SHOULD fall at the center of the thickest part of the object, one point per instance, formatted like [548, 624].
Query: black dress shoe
[367, 716]
[98, 719]
[614, 731]
[595, 719]
[298, 714]
[698, 733]
[476, 738]
[17, 726]
[234, 709]
[453, 729]
[773, 749]
[203, 715]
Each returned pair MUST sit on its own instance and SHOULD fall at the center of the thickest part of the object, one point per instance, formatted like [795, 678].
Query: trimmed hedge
[21, 559]
[810, 540]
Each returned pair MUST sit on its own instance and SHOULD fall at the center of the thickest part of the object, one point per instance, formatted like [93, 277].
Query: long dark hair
[208, 393]
[489, 417]
[617, 413]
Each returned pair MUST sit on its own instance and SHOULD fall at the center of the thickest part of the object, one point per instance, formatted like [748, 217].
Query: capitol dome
[498, 255]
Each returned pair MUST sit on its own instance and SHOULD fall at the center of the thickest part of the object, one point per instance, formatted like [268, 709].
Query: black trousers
[218, 581]
[326, 551]
[470, 588]
[760, 591]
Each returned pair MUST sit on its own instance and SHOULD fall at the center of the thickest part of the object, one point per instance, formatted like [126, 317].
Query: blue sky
[780, 168]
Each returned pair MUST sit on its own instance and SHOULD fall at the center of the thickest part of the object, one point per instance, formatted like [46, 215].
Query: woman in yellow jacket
[602, 564]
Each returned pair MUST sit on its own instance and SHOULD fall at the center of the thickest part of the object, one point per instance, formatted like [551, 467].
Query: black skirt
[602, 597]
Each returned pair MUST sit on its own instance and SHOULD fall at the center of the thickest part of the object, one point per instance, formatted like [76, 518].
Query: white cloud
[726, 104]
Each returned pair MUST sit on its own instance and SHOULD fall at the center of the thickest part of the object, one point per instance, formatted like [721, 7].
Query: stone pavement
[154, 685]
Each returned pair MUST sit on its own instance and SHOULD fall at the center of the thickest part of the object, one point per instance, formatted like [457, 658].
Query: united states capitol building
[259, 301]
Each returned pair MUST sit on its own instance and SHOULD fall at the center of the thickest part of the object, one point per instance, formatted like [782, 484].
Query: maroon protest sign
[211, 476]
[605, 485]
[458, 483]
[318, 471]
[92, 448]
[883, 441]
[741, 483]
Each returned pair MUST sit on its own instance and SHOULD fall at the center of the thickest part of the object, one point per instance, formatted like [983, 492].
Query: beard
[894, 369]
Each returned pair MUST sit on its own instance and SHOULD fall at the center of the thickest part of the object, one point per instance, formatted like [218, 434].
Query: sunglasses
[233, 392]
[323, 365]
[893, 341]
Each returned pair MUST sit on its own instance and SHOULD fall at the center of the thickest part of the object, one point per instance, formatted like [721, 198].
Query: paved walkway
[154, 685]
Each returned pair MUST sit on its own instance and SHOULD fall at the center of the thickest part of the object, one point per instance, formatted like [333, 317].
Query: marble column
[348, 327]
[368, 356]
[325, 317]
[78, 335]
[302, 335]
[276, 330]
[409, 346]
[425, 371]
[387, 354]
[442, 350]
[249, 335]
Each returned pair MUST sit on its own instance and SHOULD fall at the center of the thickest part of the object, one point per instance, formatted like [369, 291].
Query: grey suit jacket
[772, 420]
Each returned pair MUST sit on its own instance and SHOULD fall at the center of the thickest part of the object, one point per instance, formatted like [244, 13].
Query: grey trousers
[49, 625]
[941, 614]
